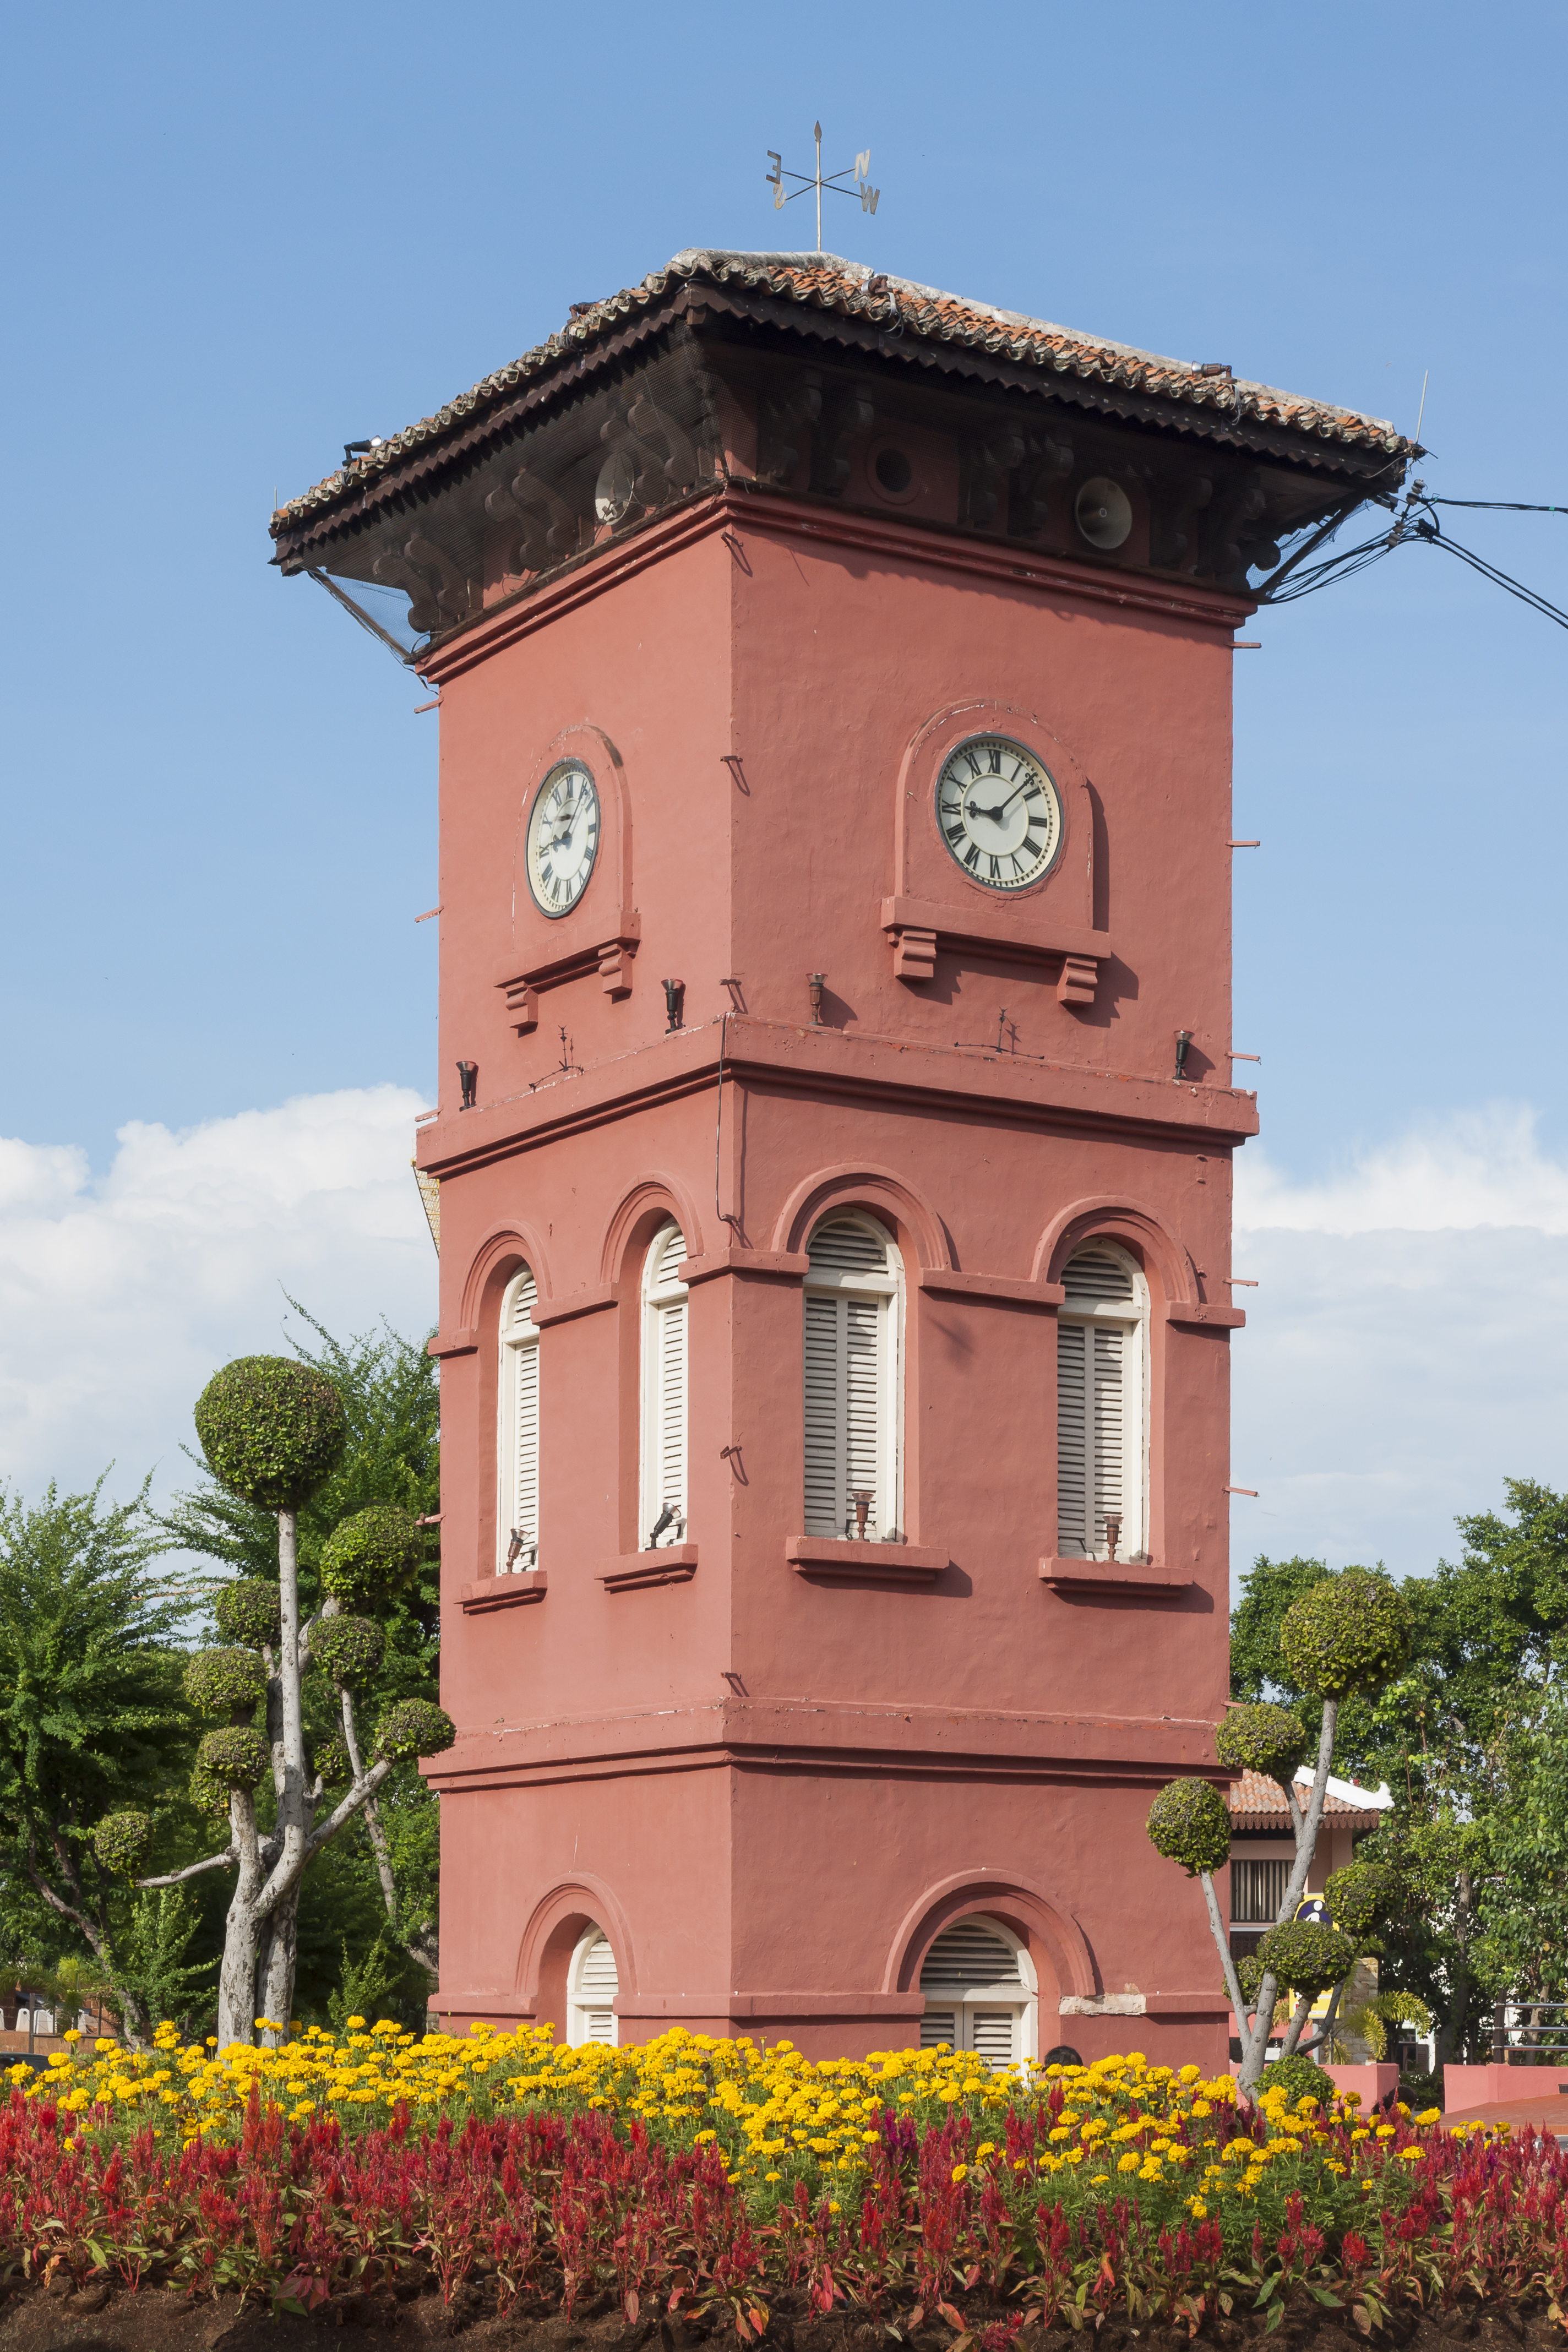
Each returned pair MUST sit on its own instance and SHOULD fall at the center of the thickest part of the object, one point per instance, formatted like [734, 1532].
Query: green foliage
[1188, 1824]
[91, 1720]
[273, 1430]
[208, 1794]
[237, 1757]
[1306, 1957]
[1299, 2078]
[373, 1553]
[121, 1841]
[225, 1681]
[348, 1649]
[1249, 1975]
[1261, 1738]
[380, 1983]
[164, 1924]
[1360, 1898]
[331, 1759]
[1347, 1633]
[414, 1727]
[251, 1612]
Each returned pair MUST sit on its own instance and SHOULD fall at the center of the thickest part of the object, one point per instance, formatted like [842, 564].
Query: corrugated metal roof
[897, 306]
[1254, 1801]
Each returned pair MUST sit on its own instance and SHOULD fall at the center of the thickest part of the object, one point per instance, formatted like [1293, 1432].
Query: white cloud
[1474, 1168]
[1406, 1345]
[119, 1297]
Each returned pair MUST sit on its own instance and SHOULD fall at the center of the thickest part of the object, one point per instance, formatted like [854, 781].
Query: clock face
[562, 838]
[999, 812]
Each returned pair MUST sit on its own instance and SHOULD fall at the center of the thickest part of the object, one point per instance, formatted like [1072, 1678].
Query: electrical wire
[1499, 506]
[1415, 524]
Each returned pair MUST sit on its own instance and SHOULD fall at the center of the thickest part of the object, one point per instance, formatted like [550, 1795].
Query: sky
[241, 237]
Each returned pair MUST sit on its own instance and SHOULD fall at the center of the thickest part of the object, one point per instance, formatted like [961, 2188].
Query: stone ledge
[512, 1592]
[885, 1563]
[675, 1564]
[1147, 1580]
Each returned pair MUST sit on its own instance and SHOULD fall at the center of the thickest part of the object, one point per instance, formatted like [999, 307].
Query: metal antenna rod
[819, 199]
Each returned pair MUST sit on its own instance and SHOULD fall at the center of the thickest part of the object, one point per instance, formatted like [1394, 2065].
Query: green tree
[273, 1430]
[1341, 1638]
[391, 1456]
[90, 1709]
[1467, 1739]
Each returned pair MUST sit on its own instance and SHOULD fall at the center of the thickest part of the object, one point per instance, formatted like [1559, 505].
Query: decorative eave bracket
[611, 959]
[917, 927]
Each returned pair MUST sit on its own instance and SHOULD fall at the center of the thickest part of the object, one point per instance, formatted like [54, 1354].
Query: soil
[101, 2318]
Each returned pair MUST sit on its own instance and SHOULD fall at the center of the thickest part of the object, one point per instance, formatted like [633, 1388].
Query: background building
[835, 1181]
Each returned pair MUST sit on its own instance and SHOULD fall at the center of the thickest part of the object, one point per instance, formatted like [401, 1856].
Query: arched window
[592, 1984]
[1101, 1386]
[663, 1505]
[517, 1450]
[853, 1379]
[981, 1993]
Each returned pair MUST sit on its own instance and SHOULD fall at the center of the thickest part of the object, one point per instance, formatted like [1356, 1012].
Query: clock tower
[834, 1147]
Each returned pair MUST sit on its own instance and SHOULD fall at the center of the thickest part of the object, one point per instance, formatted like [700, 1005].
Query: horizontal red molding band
[889, 1562]
[1112, 1576]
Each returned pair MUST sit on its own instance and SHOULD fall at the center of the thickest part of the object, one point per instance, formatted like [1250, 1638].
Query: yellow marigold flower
[1411, 2155]
[1386, 2131]
[1428, 2115]
[773, 2175]
[1099, 2181]
[1130, 2164]
[961, 2172]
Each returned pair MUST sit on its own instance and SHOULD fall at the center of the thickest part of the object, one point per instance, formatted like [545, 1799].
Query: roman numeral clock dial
[999, 812]
[562, 838]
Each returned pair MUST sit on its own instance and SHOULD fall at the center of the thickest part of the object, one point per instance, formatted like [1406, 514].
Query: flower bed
[706, 2179]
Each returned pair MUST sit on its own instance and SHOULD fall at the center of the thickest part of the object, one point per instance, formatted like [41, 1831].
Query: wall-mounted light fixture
[468, 1078]
[816, 982]
[1184, 1039]
[674, 1000]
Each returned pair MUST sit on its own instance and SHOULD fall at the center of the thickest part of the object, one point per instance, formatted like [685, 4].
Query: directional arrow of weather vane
[860, 174]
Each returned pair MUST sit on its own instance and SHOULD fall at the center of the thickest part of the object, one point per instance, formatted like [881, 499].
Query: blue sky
[241, 237]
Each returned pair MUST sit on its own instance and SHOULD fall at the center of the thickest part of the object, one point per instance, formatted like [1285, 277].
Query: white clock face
[562, 838]
[999, 812]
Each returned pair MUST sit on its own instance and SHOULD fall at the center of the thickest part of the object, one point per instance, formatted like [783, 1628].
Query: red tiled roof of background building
[1255, 1802]
[897, 307]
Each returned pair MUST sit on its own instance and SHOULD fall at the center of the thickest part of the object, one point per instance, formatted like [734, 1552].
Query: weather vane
[861, 175]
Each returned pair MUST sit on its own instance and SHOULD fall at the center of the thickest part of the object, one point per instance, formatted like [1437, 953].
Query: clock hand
[996, 815]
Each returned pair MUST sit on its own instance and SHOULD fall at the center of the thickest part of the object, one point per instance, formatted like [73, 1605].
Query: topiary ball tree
[1360, 1897]
[251, 1612]
[347, 1649]
[414, 1727]
[239, 1757]
[332, 1761]
[1188, 1824]
[1268, 1740]
[1306, 1957]
[208, 1795]
[1300, 2078]
[272, 1429]
[121, 1841]
[1349, 1632]
[371, 1553]
[225, 1681]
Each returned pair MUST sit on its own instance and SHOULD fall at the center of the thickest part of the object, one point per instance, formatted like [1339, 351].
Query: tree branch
[1222, 1945]
[192, 1870]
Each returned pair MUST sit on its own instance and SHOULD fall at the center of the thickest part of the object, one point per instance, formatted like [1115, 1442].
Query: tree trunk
[236, 1977]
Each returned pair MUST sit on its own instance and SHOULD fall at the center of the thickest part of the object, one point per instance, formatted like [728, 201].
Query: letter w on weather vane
[834, 182]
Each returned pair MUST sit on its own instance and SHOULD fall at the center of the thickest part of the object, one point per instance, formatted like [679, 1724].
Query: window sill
[1143, 1578]
[510, 1592]
[673, 1564]
[884, 1563]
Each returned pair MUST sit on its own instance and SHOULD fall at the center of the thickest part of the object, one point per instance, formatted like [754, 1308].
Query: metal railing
[1529, 2034]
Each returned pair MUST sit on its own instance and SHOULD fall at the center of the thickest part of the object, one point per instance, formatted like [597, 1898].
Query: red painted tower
[834, 1322]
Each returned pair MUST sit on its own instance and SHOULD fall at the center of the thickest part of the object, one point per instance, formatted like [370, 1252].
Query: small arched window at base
[981, 1993]
[517, 1450]
[1102, 1388]
[592, 1983]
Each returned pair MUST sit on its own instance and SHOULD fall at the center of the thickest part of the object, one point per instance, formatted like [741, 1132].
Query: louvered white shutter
[519, 1447]
[597, 1983]
[851, 1379]
[978, 1996]
[1100, 1433]
[665, 1387]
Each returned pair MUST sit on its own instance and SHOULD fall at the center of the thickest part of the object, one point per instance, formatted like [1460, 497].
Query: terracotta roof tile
[824, 282]
[1253, 1800]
